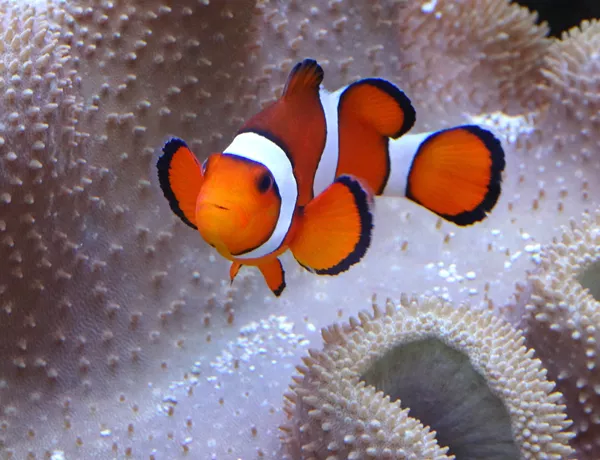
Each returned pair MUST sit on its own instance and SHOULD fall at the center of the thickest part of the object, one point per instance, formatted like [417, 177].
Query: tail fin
[457, 174]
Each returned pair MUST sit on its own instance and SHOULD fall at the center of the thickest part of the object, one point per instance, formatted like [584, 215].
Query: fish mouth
[215, 205]
[221, 216]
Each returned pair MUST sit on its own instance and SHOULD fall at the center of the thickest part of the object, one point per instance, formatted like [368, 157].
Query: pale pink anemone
[562, 322]
[424, 379]
[119, 332]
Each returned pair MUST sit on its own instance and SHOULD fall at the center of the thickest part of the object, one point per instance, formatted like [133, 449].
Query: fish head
[238, 205]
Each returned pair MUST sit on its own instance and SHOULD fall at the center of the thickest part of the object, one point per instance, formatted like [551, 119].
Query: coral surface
[465, 374]
[468, 61]
[571, 91]
[119, 332]
[563, 323]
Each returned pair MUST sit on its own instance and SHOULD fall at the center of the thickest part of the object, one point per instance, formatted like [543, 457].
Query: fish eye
[265, 182]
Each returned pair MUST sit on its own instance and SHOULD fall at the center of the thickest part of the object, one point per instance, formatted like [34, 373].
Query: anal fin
[457, 174]
[334, 229]
[274, 275]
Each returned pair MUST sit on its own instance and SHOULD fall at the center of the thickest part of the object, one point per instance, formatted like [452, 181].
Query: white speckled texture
[118, 328]
[491, 398]
[563, 323]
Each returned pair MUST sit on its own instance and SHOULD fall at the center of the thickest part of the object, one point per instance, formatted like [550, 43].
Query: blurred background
[563, 14]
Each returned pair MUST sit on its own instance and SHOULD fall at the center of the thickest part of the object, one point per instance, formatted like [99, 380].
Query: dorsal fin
[305, 76]
[370, 111]
[296, 123]
[380, 104]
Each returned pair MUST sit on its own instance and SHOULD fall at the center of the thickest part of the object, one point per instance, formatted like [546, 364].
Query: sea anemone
[570, 91]
[467, 62]
[118, 325]
[94, 283]
[464, 373]
[562, 323]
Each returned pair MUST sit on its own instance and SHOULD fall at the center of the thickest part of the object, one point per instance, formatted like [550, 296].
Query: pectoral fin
[334, 230]
[180, 178]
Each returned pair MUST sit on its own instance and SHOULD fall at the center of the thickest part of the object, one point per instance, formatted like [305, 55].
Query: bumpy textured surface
[571, 88]
[119, 332]
[95, 280]
[348, 400]
[563, 324]
[473, 69]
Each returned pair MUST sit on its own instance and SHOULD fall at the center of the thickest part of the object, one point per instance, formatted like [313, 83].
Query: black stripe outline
[480, 212]
[361, 200]
[405, 105]
[307, 64]
[395, 93]
[163, 166]
[282, 286]
[271, 137]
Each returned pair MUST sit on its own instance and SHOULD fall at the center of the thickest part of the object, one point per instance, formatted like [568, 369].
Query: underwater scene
[299, 229]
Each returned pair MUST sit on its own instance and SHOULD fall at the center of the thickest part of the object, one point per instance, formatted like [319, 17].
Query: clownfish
[302, 175]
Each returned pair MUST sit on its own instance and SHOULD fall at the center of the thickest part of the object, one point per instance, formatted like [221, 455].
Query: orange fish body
[301, 175]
